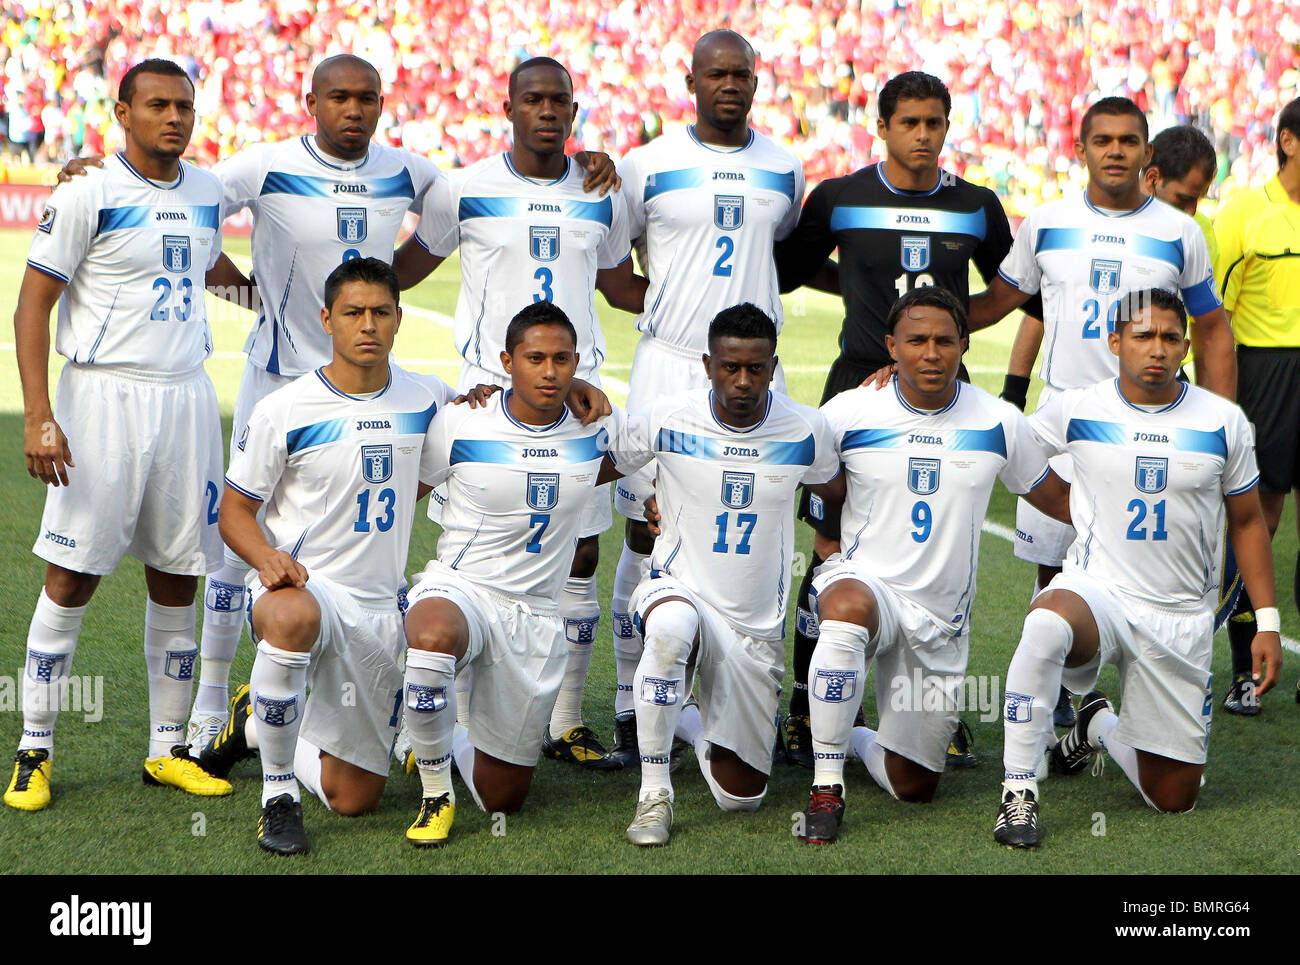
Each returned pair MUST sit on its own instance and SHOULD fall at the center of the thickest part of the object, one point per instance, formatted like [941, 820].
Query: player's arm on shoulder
[801, 256]
[1024, 352]
[225, 280]
[587, 402]
[1051, 497]
[78, 166]
[622, 286]
[1251, 544]
[237, 520]
[413, 262]
[995, 302]
[44, 443]
[601, 174]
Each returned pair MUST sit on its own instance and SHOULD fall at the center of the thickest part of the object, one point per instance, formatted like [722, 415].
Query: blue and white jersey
[1149, 484]
[726, 498]
[339, 474]
[515, 494]
[1086, 259]
[523, 241]
[134, 255]
[919, 485]
[710, 216]
[310, 213]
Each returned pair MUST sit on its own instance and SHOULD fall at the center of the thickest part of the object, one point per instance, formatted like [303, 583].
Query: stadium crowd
[1021, 73]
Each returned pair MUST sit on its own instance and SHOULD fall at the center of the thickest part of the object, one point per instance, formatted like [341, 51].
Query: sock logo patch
[580, 631]
[180, 664]
[275, 712]
[806, 623]
[623, 626]
[1017, 708]
[656, 690]
[835, 686]
[226, 597]
[45, 666]
[421, 697]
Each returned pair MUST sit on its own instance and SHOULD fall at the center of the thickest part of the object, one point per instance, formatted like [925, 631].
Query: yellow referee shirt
[1258, 266]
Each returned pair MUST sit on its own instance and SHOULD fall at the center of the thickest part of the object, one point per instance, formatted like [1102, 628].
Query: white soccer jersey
[919, 485]
[710, 216]
[1148, 488]
[339, 474]
[310, 213]
[134, 256]
[523, 241]
[515, 494]
[726, 498]
[1084, 260]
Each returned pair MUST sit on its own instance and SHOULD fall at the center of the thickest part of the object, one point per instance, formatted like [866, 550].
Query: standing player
[898, 225]
[922, 457]
[710, 201]
[729, 461]
[124, 253]
[1156, 463]
[519, 474]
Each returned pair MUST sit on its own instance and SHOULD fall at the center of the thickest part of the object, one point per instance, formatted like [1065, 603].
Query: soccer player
[729, 461]
[124, 252]
[709, 201]
[1259, 235]
[898, 225]
[519, 474]
[529, 230]
[921, 457]
[1156, 464]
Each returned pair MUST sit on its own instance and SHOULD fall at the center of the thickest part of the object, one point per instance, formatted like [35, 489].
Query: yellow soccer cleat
[182, 771]
[30, 788]
[433, 825]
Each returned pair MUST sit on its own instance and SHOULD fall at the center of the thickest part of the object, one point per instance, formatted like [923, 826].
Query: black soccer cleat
[824, 815]
[1073, 752]
[229, 747]
[279, 829]
[625, 750]
[1064, 715]
[961, 749]
[579, 745]
[1241, 698]
[1017, 825]
[798, 740]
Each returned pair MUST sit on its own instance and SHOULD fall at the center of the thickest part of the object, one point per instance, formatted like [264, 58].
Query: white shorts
[148, 476]
[920, 671]
[518, 652]
[1163, 657]
[254, 385]
[355, 681]
[739, 677]
[659, 369]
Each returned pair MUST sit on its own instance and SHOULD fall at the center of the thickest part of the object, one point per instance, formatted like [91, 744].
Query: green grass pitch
[103, 820]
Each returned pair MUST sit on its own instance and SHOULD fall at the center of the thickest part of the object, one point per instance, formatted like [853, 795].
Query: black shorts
[1268, 391]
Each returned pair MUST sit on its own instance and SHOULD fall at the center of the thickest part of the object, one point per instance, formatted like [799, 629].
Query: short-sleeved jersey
[726, 499]
[310, 213]
[710, 216]
[919, 485]
[523, 241]
[339, 474]
[1148, 488]
[891, 241]
[134, 255]
[1085, 260]
[515, 494]
[1258, 265]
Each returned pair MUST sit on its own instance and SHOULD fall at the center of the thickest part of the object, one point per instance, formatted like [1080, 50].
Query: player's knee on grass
[742, 786]
[586, 557]
[348, 789]
[438, 626]
[288, 619]
[501, 786]
[911, 782]
[638, 537]
[1171, 787]
[849, 601]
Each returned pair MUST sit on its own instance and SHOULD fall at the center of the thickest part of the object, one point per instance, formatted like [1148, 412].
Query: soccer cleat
[798, 740]
[433, 824]
[961, 748]
[653, 822]
[279, 829]
[223, 752]
[203, 728]
[182, 771]
[1241, 698]
[402, 752]
[1017, 824]
[579, 745]
[825, 814]
[1072, 752]
[29, 789]
[625, 749]
[1064, 715]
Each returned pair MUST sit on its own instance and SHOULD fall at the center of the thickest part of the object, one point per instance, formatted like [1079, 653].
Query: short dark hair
[913, 85]
[742, 321]
[1175, 151]
[1135, 302]
[370, 270]
[154, 65]
[721, 34]
[536, 62]
[538, 313]
[1288, 120]
[931, 296]
[1114, 107]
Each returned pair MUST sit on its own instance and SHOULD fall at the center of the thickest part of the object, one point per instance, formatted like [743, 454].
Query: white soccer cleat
[202, 728]
[653, 822]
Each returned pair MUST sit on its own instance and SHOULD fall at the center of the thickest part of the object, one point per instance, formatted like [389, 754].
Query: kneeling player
[921, 455]
[1156, 462]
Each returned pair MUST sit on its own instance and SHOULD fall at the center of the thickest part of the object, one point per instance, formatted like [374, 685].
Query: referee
[1258, 267]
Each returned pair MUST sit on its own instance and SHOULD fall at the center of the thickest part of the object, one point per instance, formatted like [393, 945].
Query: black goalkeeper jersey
[891, 241]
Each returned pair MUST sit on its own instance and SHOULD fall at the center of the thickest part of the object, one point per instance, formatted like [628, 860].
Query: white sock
[169, 656]
[690, 726]
[1101, 732]
[725, 800]
[279, 693]
[869, 751]
[463, 751]
[223, 622]
[580, 611]
[430, 695]
[627, 642]
[307, 768]
[51, 643]
[836, 675]
[464, 685]
[1032, 688]
[660, 683]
